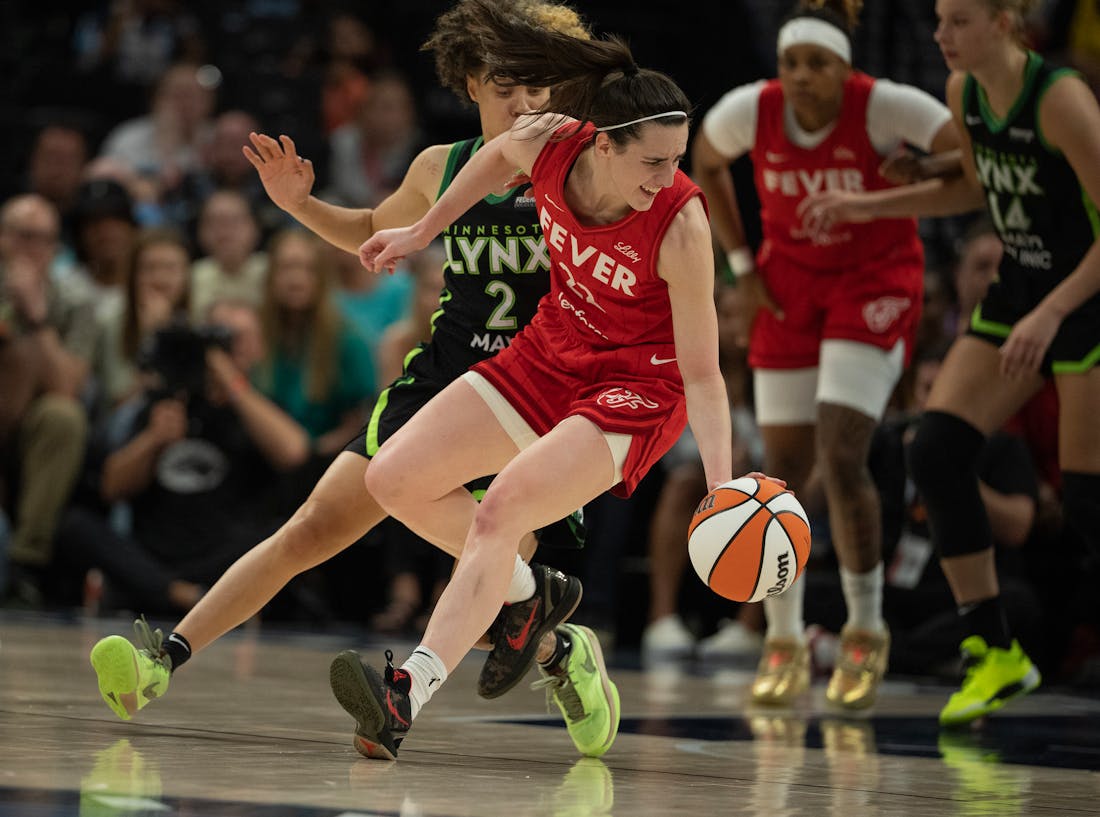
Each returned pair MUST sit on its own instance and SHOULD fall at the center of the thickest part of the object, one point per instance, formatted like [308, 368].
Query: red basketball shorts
[546, 375]
[876, 303]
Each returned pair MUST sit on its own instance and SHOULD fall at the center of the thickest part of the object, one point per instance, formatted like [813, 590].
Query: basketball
[749, 539]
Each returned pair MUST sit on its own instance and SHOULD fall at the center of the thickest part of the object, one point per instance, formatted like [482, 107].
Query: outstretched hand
[286, 176]
[387, 248]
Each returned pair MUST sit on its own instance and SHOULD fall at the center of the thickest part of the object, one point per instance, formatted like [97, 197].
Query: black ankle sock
[987, 619]
[177, 648]
[562, 645]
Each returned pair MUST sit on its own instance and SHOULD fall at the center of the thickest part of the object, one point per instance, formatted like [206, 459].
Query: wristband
[741, 262]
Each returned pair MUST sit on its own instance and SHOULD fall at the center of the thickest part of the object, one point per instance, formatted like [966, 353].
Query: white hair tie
[812, 31]
[643, 119]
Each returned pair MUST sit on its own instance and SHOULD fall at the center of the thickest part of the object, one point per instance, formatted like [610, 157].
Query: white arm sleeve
[731, 124]
[901, 113]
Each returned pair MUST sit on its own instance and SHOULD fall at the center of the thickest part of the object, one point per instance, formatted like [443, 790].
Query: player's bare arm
[686, 264]
[1070, 122]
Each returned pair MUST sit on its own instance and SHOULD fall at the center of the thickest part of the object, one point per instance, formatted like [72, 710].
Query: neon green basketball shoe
[586, 696]
[129, 677]
[994, 677]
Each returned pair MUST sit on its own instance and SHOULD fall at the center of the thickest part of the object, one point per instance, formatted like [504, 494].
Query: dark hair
[844, 14]
[591, 80]
[458, 48]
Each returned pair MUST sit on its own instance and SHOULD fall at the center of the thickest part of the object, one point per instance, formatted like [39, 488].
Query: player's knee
[843, 461]
[386, 481]
[497, 518]
[944, 450]
[307, 537]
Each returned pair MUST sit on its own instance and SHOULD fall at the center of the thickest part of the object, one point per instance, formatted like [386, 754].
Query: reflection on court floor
[249, 729]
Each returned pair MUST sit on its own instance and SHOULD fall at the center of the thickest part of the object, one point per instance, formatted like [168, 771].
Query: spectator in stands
[367, 301]
[222, 166]
[318, 369]
[371, 155]
[47, 334]
[232, 266]
[105, 227]
[156, 295]
[194, 469]
[55, 166]
[164, 144]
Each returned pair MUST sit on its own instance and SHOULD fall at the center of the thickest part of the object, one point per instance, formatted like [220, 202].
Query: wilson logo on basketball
[880, 314]
[782, 571]
[624, 398]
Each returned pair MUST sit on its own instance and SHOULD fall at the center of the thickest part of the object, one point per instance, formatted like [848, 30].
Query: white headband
[643, 119]
[810, 30]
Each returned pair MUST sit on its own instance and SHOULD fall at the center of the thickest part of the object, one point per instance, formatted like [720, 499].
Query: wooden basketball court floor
[249, 729]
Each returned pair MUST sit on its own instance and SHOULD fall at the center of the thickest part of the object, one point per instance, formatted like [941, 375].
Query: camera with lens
[177, 354]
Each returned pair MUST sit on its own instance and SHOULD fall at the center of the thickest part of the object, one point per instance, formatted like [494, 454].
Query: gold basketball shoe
[783, 672]
[860, 664]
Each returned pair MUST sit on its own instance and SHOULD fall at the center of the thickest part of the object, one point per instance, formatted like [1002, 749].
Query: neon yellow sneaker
[586, 696]
[994, 676]
[129, 677]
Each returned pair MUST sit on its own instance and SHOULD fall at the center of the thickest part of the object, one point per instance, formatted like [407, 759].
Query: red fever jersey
[846, 160]
[601, 344]
[859, 282]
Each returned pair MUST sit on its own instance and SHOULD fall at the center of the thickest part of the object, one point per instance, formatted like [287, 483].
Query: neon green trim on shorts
[1085, 364]
[977, 322]
[383, 400]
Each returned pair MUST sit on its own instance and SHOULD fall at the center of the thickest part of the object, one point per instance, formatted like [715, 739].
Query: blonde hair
[318, 340]
[1019, 10]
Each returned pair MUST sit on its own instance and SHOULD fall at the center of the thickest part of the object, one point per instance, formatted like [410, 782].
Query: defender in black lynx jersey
[496, 272]
[497, 269]
[1032, 158]
[1044, 217]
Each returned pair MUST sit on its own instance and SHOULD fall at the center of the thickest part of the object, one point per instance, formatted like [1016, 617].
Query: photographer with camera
[47, 330]
[198, 454]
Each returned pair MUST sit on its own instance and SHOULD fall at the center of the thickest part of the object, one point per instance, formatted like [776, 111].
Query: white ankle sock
[522, 586]
[863, 596]
[784, 613]
[427, 673]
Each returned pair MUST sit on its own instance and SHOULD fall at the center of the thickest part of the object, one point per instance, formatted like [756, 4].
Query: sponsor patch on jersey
[844, 154]
[523, 202]
[1022, 134]
[620, 398]
[880, 314]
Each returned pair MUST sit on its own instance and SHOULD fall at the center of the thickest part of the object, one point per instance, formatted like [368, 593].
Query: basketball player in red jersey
[598, 386]
[833, 315]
